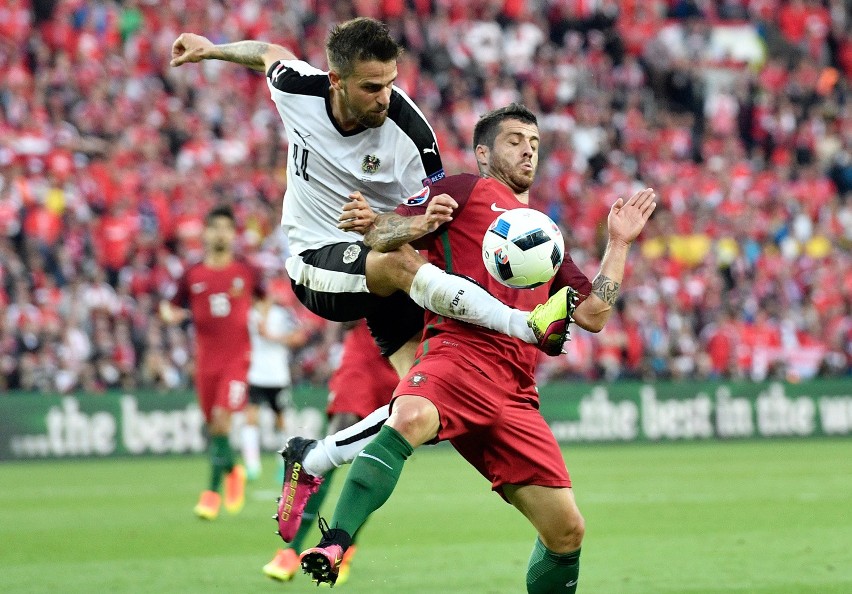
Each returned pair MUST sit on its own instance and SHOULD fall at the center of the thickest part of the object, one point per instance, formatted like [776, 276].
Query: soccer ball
[522, 248]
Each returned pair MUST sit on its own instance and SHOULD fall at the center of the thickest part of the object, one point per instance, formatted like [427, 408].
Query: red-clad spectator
[844, 55]
[114, 237]
[720, 341]
[813, 191]
[42, 225]
[137, 277]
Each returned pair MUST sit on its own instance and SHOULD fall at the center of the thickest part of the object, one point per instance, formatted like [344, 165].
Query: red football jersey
[220, 300]
[457, 248]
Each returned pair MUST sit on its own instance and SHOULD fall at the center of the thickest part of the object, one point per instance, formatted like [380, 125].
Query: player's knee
[252, 414]
[415, 419]
[406, 259]
[567, 535]
[340, 421]
[392, 271]
[220, 422]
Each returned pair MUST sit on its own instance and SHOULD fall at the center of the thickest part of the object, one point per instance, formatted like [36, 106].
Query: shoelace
[324, 530]
[573, 299]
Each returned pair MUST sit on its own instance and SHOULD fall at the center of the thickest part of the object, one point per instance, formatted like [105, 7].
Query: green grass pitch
[756, 517]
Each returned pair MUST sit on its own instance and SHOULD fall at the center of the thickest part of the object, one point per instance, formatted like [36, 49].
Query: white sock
[458, 298]
[250, 442]
[342, 447]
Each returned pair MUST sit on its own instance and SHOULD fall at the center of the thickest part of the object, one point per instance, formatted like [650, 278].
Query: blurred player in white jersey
[274, 333]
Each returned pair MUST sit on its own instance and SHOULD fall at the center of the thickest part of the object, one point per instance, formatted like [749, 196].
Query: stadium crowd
[109, 160]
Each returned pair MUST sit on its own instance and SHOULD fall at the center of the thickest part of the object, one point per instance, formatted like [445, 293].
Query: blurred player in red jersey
[361, 386]
[470, 385]
[218, 292]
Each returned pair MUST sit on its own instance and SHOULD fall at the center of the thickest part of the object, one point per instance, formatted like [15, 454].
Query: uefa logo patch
[419, 198]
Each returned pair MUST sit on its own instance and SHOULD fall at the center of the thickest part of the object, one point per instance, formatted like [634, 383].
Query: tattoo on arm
[247, 53]
[390, 231]
[606, 289]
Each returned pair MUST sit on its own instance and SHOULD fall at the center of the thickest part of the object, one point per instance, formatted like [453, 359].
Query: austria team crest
[370, 164]
[351, 253]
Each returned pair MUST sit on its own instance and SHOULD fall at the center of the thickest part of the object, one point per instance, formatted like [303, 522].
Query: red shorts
[222, 388]
[360, 389]
[364, 381]
[498, 430]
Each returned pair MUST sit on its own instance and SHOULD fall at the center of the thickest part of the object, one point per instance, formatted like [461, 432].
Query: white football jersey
[325, 164]
[270, 360]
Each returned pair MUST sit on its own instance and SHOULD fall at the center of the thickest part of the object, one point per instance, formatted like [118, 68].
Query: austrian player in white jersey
[274, 333]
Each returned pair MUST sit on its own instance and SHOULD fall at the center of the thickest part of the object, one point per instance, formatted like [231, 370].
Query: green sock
[554, 573]
[371, 479]
[310, 514]
[221, 460]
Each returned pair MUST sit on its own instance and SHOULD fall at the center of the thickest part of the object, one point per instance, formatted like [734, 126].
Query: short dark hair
[223, 210]
[488, 126]
[359, 40]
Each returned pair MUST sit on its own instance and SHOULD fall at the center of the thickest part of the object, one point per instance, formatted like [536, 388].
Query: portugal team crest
[351, 253]
[237, 286]
[370, 164]
[417, 380]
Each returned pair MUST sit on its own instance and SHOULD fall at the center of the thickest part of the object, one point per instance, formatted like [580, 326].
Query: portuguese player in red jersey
[218, 292]
[472, 386]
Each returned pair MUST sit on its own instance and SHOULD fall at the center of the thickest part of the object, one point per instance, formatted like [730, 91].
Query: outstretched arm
[389, 231]
[257, 55]
[625, 221]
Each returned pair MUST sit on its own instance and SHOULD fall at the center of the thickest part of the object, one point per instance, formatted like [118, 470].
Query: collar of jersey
[334, 123]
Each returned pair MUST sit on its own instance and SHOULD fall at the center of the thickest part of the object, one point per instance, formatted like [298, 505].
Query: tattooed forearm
[606, 289]
[390, 231]
[247, 53]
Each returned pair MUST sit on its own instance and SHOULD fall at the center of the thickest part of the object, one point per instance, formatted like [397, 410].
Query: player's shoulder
[194, 266]
[461, 184]
[243, 263]
[408, 118]
[297, 77]
[403, 110]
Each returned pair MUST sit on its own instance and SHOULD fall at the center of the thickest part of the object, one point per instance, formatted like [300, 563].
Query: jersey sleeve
[258, 282]
[289, 322]
[571, 276]
[460, 187]
[296, 76]
[421, 164]
[180, 298]
[275, 321]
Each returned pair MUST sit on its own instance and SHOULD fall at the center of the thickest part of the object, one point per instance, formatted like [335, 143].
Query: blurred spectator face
[219, 235]
[364, 94]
